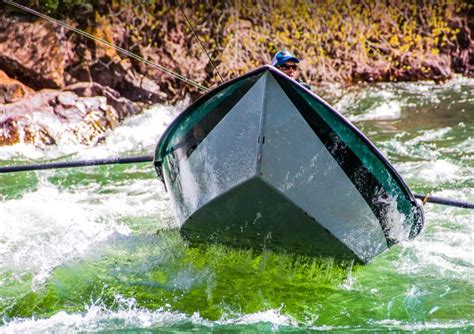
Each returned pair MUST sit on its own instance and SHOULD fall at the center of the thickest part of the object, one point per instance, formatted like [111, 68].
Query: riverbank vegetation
[342, 41]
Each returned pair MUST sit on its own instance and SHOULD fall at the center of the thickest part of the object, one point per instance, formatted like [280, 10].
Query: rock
[67, 100]
[122, 105]
[462, 52]
[36, 51]
[115, 74]
[375, 71]
[12, 90]
[9, 131]
[55, 117]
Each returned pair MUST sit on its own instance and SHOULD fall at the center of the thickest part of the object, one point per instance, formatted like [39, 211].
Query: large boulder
[38, 52]
[58, 117]
[34, 51]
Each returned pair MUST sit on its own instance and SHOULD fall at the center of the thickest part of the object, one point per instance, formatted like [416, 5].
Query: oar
[445, 201]
[80, 163]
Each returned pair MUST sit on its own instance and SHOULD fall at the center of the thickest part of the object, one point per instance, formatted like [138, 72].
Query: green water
[94, 249]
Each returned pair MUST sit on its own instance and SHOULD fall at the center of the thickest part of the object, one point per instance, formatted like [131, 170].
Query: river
[93, 249]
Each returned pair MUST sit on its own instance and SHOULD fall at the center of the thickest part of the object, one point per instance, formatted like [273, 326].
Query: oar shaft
[80, 163]
[445, 201]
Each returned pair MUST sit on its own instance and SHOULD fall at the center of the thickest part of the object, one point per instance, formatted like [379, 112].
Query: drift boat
[261, 161]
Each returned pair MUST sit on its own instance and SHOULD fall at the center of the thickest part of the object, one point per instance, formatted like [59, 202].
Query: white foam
[439, 171]
[384, 105]
[97, 317]
[429, 136]
[395, 219]
[385, 111]
[423, 147]
[467, 147]
[48, 227]
[435, 172]
[445, 248]
[272, 316]
[397, 325]
[139, 133]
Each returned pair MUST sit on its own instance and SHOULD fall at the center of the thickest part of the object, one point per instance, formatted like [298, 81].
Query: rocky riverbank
[58, 86]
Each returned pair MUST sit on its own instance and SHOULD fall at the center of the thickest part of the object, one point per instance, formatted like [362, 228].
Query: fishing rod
[118, 48]
[199, 40]
[149, 158]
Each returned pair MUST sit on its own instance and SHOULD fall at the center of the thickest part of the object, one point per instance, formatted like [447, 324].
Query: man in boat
[286, 62]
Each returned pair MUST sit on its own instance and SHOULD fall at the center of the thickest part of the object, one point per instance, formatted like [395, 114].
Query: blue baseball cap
[282, 57]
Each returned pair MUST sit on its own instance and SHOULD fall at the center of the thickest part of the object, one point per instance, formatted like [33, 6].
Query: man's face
[290, 68]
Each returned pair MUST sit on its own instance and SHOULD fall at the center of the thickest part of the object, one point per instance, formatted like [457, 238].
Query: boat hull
[264, 162]
[258, 215]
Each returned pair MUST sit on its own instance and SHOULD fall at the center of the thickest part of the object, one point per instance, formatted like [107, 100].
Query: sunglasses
[287, 67]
